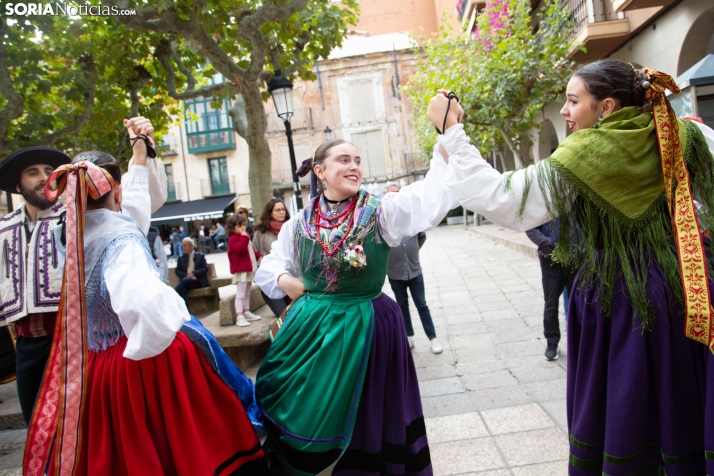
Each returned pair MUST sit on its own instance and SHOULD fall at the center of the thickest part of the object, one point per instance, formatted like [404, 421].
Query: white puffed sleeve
[135, 200]
[157, 182]
[281, 260]
[150, 312]
[417, 207]
[482, 189]
[708, 134]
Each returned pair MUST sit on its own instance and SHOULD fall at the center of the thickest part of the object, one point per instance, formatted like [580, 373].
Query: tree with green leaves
[504, 72]
[246, 42]
[68, 83]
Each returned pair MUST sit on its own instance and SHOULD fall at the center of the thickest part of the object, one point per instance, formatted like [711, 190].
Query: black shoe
[551, 353]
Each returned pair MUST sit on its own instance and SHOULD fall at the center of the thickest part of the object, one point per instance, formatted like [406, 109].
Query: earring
[599, 120]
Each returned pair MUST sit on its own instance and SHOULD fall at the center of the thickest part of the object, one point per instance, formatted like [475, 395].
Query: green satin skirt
[310, 382]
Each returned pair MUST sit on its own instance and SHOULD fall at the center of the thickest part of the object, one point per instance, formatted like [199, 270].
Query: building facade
[668, 35]
[356, 97]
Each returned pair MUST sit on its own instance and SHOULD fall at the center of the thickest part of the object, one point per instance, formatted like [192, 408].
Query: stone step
[246, 346]
[222, 281]
[227, 306]
[515, 240]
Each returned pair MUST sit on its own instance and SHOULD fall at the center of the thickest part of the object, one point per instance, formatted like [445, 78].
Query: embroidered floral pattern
[15, 272]
[692, 261]
[45, 257]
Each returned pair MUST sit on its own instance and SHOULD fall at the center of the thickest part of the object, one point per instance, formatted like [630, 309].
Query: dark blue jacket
[200, 268]
[546, 237]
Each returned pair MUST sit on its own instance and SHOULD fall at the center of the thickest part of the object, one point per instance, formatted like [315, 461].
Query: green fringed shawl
[606, 185]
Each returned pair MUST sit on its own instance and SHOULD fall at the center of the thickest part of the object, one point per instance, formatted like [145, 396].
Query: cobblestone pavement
[493, 405]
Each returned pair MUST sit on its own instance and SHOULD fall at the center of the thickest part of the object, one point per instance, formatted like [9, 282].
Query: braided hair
[609, 78]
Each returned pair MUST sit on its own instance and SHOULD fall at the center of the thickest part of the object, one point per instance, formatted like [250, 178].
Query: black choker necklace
[334, 205]
[335, 202]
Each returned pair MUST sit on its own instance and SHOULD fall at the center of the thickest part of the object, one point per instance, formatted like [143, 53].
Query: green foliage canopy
[246, 41]
[68, 82]
[504, 77]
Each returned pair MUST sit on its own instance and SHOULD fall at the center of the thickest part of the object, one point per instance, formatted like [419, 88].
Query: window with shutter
[370, 145]
[361, 96]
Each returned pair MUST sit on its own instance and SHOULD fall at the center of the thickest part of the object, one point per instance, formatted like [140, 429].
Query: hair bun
[640, 84]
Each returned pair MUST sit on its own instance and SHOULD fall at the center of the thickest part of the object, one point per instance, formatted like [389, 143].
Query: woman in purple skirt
[634, 190]
[338, 386]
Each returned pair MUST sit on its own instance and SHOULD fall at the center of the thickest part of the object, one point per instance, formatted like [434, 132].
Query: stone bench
[220, 282]
[201, 301]
[246, 346]
[227, 306]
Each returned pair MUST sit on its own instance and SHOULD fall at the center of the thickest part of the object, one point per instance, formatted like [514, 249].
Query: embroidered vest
[30, 273]
[106, 235]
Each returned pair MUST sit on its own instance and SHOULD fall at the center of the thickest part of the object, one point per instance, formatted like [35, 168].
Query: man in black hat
[31, 284]
[31, 277]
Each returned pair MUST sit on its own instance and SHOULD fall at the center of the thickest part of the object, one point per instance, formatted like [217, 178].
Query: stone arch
[547, 139]
[698, 42]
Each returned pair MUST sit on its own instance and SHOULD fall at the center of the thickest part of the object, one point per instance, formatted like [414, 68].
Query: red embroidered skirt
[168, 415]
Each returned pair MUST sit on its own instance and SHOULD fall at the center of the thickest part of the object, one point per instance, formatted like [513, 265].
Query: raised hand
[436, 112]
[139, 126]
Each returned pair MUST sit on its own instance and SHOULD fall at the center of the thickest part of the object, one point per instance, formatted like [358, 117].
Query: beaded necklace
[333, 222]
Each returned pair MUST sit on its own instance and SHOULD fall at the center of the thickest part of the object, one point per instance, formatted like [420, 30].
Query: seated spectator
[192, 270]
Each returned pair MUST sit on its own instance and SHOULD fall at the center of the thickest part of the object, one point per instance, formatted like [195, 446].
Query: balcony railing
[164, 149]
[210, 188]
[602, 11]
[301, 121]
[174, 191]
[283, 179]
[170, 192]
[210, 141]
[417, 163]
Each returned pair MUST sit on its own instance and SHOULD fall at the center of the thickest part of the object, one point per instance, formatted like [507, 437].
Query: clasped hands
[437, 111]
[138, 126]
[444, 115]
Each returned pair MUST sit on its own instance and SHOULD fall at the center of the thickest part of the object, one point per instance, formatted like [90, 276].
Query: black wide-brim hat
[12, 166]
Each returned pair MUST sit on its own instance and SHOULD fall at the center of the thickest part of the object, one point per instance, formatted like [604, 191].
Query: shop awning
[196, 210]
[699, 74]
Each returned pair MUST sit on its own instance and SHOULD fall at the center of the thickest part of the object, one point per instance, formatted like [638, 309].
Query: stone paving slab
[510, 418]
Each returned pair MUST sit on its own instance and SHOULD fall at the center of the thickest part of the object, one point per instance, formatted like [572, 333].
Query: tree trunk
[517, 160]
[502, 156]
[259, 157]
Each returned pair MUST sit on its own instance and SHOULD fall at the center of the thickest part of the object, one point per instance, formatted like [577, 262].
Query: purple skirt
[638, 403]
[389, 436]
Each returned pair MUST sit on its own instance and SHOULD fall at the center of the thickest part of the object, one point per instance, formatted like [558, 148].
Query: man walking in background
[555, 277]
[404, 274]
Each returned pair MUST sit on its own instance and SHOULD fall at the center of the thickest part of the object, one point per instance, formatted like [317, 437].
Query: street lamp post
[328, 133]
[281, 90]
